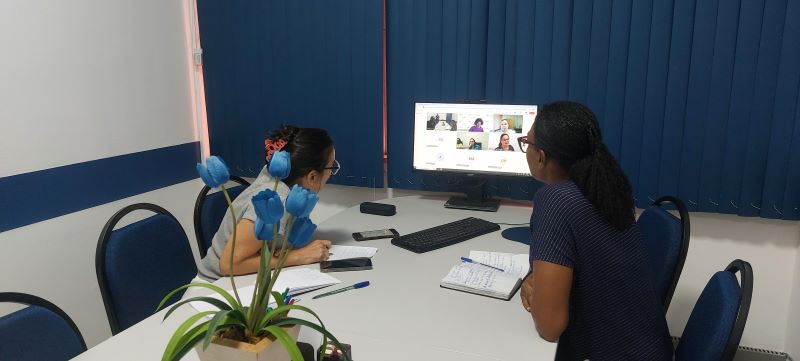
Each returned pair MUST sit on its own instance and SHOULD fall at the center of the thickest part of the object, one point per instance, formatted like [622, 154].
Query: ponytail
[604, 184]
[568, 132]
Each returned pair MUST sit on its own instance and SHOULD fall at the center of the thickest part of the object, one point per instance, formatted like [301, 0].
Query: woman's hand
[316, 251]
[526, 292]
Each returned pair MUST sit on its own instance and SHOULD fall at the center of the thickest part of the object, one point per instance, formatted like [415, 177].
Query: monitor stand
[476, 198]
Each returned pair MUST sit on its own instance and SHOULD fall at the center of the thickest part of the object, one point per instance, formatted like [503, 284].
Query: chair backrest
[666, 239]
[717, 321]
[40, 331]
[209, 210]
[137, 265]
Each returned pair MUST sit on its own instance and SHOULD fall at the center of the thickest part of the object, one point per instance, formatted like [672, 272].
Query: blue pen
[465, 259]
[353, 287]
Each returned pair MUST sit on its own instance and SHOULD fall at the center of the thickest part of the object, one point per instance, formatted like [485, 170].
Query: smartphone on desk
[341, 265]
[377, 234]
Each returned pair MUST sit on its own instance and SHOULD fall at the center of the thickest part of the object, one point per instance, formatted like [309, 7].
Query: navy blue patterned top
[614, 313]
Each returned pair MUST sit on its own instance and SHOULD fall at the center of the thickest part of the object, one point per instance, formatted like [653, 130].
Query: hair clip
[273, 146]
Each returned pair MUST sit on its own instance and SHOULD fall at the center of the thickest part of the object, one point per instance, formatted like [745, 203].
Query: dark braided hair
[309, 149]
[569, 134]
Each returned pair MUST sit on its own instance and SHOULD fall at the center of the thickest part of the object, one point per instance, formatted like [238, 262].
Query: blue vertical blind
[437, 51]
[699, 99]
[311, 63]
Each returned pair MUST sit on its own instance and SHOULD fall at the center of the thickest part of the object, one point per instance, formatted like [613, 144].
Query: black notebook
[491, 274]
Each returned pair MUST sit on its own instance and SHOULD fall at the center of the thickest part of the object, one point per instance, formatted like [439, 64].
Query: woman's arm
[247, 256]
[545, 294]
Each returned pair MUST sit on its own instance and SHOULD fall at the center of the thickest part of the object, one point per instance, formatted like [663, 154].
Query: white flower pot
[221, 349]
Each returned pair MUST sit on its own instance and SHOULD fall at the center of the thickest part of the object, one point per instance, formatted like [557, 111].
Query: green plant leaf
[288, 342]
[213, 301]
[278, 297]
[181, 331]
[283, 309]
[212, 327]
[296, 321]
[217, 289]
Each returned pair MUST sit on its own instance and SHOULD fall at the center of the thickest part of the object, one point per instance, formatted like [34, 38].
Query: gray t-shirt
[243, 206]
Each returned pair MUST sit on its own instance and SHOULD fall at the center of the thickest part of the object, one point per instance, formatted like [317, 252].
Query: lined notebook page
[516, 264]
[475, 278]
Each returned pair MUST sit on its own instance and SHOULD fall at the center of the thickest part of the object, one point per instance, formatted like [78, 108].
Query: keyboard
[445, 235]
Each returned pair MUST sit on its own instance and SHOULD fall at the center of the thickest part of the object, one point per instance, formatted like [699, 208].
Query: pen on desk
[353, 287]
[465, 259]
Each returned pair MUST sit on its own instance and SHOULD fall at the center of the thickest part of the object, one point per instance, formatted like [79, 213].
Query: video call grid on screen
[472, 138]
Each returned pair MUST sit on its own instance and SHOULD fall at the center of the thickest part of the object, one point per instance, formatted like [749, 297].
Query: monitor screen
[471, 138]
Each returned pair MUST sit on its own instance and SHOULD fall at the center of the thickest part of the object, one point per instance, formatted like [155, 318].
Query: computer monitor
[476, 140]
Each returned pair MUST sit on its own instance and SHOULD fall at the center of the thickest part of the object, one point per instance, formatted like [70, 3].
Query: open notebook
[479, 279]
[298, 280]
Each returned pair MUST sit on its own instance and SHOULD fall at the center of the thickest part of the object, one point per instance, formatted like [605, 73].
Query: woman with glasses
[590, 288]
[313, 162]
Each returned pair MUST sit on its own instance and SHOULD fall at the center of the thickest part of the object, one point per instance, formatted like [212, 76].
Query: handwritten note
[475, 278]
[516, 264]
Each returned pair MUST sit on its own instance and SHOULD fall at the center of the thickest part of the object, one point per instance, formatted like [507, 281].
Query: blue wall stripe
[37, 196]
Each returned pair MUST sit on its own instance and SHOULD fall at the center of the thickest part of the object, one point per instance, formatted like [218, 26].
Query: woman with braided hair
[590, 287]
[313, 161]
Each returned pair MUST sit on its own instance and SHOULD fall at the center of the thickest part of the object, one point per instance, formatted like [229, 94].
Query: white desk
[403, 312]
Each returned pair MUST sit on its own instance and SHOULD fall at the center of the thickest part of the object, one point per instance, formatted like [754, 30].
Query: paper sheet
[298, 280]
[346, 252]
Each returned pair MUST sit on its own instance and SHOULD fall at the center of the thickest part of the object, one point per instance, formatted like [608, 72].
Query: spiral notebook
[493, 274]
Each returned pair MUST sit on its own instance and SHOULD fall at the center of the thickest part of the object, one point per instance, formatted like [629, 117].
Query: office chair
[40, 331]
[717, 321]
[209, 210]
[666, 240]
[137, 265]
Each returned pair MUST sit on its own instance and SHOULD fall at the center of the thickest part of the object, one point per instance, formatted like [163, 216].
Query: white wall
[771, 248]
[88, 79]
[793, 321]
[83, 80]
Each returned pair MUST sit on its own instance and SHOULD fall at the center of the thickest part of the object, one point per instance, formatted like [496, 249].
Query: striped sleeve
[553, 240]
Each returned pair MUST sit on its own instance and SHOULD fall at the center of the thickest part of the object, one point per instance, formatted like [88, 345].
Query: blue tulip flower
[280, 165]
[302, 229]
[214, 173]
[264, 231]
[301, 201]
[268, 206]
[269, 211]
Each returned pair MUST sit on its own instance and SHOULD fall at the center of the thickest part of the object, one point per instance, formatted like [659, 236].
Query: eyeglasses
[524, 143]
[335, 167]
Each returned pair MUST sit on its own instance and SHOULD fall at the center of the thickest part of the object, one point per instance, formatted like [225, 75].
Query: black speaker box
[378, 208]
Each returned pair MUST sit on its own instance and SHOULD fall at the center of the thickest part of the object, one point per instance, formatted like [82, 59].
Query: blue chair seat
[137, 265]
[717, 321]
[40, 331]
[666, 240]
[209, 211]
